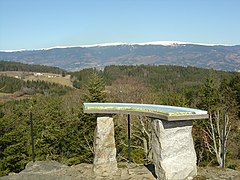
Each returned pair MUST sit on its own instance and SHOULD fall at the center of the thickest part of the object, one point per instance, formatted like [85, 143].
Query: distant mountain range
[220, 57]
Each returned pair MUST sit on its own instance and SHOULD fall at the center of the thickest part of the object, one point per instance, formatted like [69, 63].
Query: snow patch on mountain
[18, 50]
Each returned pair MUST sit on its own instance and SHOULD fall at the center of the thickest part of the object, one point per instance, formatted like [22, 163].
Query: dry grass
[15, 73]
[49, 77]
[5, 94]
[6, 97]
[53, 78]
[234, 164]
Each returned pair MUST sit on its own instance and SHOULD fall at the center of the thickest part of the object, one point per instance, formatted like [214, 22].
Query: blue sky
[32, 24]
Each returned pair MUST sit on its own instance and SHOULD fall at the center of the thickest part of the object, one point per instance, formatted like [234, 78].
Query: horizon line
[162, 43]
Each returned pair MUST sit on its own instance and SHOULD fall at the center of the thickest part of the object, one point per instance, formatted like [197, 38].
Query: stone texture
[43, 166]
[79, 172]
[45, 170]
[105, 162]
[173, 149]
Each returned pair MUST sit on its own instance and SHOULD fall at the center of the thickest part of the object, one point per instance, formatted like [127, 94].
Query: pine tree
[95, 89]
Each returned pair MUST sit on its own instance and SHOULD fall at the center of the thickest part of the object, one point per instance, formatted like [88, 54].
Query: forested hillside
[12, 85]
[161, 77]
[64, 133]
[16, 66]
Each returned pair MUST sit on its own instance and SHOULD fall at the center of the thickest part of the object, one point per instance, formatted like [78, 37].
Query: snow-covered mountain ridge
[160, 43]
[72, 58]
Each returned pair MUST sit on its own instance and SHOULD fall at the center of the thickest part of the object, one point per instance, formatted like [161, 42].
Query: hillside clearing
[35, 76]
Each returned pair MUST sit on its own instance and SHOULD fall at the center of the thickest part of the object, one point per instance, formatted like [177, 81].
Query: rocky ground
[51, 170]
[217, 173]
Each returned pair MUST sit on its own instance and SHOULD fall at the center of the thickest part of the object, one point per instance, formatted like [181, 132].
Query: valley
[219, 57]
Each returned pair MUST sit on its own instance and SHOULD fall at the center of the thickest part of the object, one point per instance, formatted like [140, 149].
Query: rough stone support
[173, 150]
[104, 147]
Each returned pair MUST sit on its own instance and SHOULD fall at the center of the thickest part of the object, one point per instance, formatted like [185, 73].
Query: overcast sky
[34, 24]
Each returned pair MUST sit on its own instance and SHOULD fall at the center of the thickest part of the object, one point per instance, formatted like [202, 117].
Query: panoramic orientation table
[170, 113]
[173, 152]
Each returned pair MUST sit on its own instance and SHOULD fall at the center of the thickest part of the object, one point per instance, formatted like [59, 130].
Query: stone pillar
[104, 147]
[173, 150]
